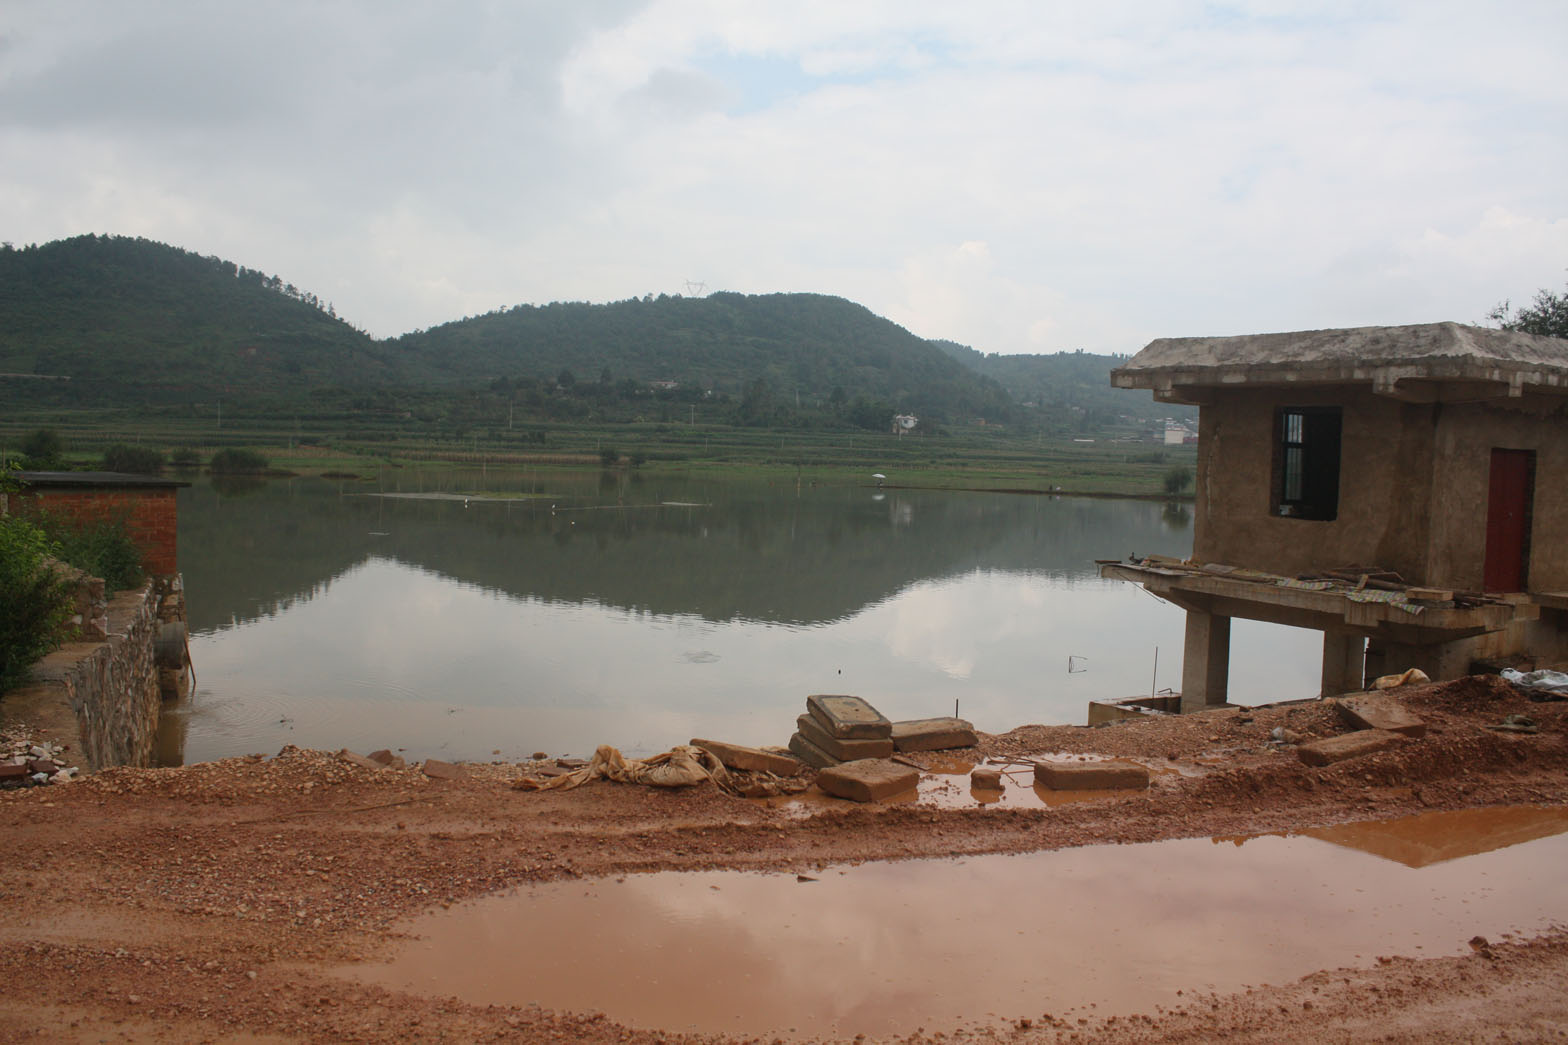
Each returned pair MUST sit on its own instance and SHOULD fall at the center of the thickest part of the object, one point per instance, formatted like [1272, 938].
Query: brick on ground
[1365, 711]
[809, 753]
[387, 759]
[435, 769]
[843, 750]
[848, 718]
[933, 734]
[361, 761]
[1346, 746]
[1115, 774]
[986, 779]
[737, 756]
[868, 779]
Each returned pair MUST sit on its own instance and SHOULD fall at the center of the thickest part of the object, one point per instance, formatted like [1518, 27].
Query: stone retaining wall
[101, 699]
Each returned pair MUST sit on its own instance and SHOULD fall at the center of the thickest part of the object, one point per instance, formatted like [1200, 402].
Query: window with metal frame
[1306, 462]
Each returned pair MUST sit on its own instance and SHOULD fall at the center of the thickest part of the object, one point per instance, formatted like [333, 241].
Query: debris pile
[30, 763]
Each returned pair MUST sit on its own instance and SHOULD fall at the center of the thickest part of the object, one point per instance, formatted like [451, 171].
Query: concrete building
[1404, 490]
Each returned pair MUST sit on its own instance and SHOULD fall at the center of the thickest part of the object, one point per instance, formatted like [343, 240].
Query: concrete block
[1348, 745]
[438, 770]
[848, 718]
[359, 760]
[843, 750]
[986, 779]
[1090, 776]
[1365, 711]
[933, 734]
[754, 759]
[810, 754]
[387, 759]
[868, 780]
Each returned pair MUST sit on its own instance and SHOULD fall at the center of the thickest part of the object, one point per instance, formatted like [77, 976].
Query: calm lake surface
[559, 613]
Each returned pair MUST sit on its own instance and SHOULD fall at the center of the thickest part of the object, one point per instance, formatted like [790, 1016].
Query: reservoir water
[469, 615]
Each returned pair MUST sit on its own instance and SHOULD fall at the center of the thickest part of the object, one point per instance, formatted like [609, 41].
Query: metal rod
[1156, 679]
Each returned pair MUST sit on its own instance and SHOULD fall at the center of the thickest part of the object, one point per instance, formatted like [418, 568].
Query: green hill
[132, 320]
[1065, 390]
[804, 349]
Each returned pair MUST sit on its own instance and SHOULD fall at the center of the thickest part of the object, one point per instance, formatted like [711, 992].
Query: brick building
[146, 502]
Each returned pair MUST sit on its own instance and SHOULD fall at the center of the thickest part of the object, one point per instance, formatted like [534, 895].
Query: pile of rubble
[30, 763]
[853, 745]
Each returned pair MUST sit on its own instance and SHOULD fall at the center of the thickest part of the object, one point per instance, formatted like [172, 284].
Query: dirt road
[210, 903]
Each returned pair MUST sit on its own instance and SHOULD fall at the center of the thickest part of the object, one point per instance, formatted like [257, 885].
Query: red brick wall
[150, 517]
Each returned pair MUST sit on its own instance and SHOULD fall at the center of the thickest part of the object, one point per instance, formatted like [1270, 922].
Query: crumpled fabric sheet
[1410, 677]
[681, 766]
[1543, 681]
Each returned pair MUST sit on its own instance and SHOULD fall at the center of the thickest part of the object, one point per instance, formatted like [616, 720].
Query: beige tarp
[681, 766]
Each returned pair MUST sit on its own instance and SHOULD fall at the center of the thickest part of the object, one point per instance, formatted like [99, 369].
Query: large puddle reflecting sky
[581, 611]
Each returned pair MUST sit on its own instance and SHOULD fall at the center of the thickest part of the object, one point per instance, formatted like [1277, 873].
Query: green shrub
[230, 461]
[43, 451]
[36, 604]
[140, 460]
[102, 547]
[609, 457]
[185, 457]
[1178, 479]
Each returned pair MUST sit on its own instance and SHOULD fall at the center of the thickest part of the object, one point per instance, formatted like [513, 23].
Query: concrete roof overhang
[1319, 610]
[1431, 362]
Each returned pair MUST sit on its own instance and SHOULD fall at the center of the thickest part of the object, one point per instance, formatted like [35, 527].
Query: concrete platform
[848, 718]
[843, 750]
[1368, 711]
[1091, 776]
[810, 754]
[868, 780]
[1347, 746]
[933, 734]
[736, 756]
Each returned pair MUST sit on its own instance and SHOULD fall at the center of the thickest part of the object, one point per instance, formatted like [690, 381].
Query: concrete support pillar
[1205, 666]
[1344, 663]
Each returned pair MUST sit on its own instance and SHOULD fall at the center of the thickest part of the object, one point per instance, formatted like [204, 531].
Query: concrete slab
[756, 760]
[1090, 776]
[435, 769]
[868, 780]
[933, 734]
[1365, 711]
[1346, 746]
[843, 750]
[359, 760]
[848, 718]
[810, 754]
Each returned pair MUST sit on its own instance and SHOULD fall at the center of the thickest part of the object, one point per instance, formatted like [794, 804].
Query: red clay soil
[209, 903]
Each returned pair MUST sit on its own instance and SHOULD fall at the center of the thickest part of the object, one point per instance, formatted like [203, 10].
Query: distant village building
[664, 386]
[1404, 490]
[903, 423]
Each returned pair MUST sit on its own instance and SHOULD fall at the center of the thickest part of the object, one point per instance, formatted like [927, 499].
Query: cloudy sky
[1018, 176]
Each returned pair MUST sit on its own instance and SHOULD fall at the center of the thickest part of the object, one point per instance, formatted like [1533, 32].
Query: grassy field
[966, 457]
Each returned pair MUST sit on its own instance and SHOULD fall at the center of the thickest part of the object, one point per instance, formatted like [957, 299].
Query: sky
[1015, 176]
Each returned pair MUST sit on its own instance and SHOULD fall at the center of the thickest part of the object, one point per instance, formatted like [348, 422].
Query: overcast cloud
[1020, 177]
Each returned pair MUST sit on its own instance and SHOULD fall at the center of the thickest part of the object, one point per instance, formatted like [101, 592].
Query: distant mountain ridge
[130, 320]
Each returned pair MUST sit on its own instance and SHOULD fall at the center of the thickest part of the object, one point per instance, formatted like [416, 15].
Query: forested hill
[1065, 384]
[810, 348]
[129, 319]
[133, 321]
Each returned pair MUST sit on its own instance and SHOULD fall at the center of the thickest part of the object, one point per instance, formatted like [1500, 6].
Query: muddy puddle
[887, 948]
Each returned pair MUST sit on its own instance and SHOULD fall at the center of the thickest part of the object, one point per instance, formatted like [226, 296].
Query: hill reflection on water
[601, 609]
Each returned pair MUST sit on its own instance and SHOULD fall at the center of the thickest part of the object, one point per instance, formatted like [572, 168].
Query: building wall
[1412, 486]
[150, 517]
[1465, 436]
[1384, 481]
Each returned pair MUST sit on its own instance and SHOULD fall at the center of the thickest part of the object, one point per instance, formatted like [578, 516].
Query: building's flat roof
[1393, 360]
[117, 480]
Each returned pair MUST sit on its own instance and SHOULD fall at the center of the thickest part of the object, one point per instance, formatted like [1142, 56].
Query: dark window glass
[1307, 463]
